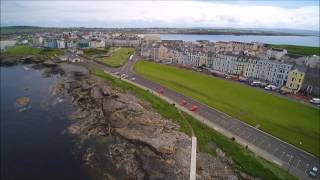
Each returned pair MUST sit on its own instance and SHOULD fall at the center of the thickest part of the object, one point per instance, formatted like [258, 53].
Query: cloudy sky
[238, 14]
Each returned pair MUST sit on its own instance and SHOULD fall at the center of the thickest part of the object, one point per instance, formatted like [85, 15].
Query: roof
[300, 68]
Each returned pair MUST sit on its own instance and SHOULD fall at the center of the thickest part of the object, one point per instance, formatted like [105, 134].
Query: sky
[292, 14]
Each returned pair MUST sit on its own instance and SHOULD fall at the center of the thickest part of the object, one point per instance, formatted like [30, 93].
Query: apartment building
[94, 43]
[265, 70]
[295, 79]
[50, 43]
[274, 72]
[196, 58]
[61, 43]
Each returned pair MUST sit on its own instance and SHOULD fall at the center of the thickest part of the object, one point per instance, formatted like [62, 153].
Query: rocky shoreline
[120, 137]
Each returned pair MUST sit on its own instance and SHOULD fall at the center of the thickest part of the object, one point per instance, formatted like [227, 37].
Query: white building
[61, 44]
[276, 53]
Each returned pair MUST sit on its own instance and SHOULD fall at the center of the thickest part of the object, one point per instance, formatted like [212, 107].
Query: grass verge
[288, 120]
[243, 159]
[114, 56]
[300, 50]
[23, 50]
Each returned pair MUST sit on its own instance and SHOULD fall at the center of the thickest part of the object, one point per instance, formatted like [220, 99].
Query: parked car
[133, 79]
[315, 100]
[123, 75]
[271, 87]
[313, 172]
[255, 83]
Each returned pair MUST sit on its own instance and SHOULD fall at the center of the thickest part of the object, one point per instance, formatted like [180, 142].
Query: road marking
[249, 136]
[298, 163]
[290, 159]
[307, 168]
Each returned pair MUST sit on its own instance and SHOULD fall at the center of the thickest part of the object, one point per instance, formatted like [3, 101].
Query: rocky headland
[119, 136]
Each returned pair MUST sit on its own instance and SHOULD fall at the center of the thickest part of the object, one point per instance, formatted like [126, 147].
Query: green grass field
[300, 50]
[114, 56]
[118, 57]
[283, 118]
[244, 160]
[93, 53]
[23, 50]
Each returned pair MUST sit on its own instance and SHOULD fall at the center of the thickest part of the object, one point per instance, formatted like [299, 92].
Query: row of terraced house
[248, 60]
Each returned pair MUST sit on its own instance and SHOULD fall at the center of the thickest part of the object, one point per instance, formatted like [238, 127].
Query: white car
[315, 100]
[271, 87]
[133, 79]
[313, 172]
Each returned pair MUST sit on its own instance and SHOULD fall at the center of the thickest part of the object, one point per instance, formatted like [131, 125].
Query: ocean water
[292, 40]
[33, 145]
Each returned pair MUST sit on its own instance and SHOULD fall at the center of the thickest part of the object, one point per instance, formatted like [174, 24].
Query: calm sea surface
[293, 40]
[32, 143]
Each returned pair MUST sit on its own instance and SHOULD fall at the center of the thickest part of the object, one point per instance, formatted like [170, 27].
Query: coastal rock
[49, 63]
[22, 101]
[213, 168]
[147, 146]
[96, 93]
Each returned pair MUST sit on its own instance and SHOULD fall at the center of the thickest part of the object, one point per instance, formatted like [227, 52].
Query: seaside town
[270, 68]
[166, 90]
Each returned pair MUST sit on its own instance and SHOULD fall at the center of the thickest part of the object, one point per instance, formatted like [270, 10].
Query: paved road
[296, 161]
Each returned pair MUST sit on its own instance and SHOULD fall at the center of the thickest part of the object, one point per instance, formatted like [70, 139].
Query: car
[271, 87]
[133, 79]
[116, 73]
[315, 101]
[313, 172]
[255, 83]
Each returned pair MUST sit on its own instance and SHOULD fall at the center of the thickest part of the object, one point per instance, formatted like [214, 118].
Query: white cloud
[157, 13]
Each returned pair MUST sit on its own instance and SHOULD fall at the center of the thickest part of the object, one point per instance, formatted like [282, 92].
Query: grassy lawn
[243, 159]
[301, 50]
[93, 53]
[118, 56]
[114, 56]
[285, 119]
[23, 50]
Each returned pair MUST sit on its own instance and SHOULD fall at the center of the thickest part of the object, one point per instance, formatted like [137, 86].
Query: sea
[34, 144]
[313, 41]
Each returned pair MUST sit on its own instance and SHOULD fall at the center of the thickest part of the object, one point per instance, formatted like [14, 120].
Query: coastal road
[290, 158]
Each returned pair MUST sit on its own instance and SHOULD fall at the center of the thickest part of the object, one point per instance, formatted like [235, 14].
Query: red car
[193, 108]
[183, 102]
[161, 91]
